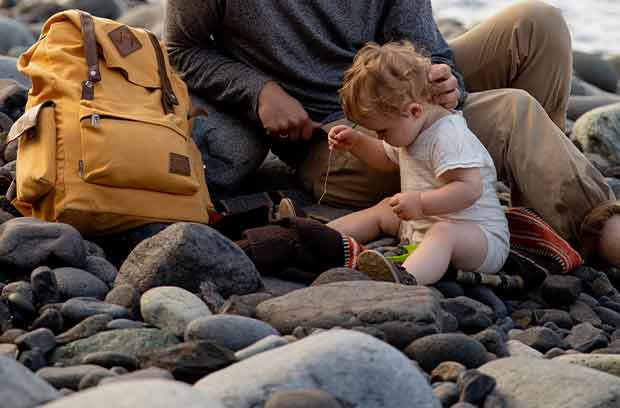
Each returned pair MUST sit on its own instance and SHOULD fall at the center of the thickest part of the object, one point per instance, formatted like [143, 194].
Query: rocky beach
[178, 315]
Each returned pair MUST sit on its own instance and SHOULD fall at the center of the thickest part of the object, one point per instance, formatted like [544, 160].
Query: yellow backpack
[105, 143]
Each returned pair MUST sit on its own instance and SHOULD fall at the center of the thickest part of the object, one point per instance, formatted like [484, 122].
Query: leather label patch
[179, 164]
[124, 40]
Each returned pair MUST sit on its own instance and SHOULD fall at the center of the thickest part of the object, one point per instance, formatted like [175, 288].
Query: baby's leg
[368, 224]
[463, 244]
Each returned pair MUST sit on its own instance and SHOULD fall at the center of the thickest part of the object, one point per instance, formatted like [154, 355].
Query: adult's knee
[546, 25]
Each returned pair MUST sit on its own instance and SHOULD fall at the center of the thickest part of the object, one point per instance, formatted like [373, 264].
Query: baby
[448, 203]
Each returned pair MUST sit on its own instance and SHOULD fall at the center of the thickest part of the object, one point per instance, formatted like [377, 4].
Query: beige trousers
[517, 67]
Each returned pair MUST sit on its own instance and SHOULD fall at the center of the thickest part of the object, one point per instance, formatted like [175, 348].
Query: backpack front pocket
[128, 152]
[35, 132]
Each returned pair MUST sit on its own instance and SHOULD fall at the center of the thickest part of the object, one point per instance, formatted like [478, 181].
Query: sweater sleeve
[189, 29]
[413, 20]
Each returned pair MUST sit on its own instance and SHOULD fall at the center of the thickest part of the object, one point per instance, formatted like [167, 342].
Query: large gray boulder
[26, 243]
[138, 394]
[8, 70]
[403, 313]
[357, 369]
[20, 388]
[539, 383]
[598, 131]
[127, 341]
[191, 256]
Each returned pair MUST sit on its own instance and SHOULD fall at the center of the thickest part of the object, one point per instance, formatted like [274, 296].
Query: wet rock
[560, 318]
[24, 311]
[230, 331]
[78, 309]
[539, 383]
[153, 393]
[554, 352]
[447, 371]
[432, 350]
[541, 339]
[22, 288]
[126, 296]
[561, 290]
[45, 286]
[5, 317]
[189, 255]
[608, 316]
[26, 243]
[189, 361]
[74, 282]
[93, 249]
[589, 300]
[339, 275]
[403, 313]
[518, 349]
[20, 388]
[485, 295]
[606, 363]
[118, 324]
[598, 132]
[172, 308]
[278, 287]
[51, 319]
[93, 379]
[584, 338]
[475, 386]
[494, 341]
[34, 359]
[264, 344]
[102, 269]
[450, 289]
[472, 315]
[244, 305]
[447, 393]
[86, 328]
[302, 399]
[581, 312]
[42, 339]
[147, 373]
[130, 341]
[371, 373]
[109, 359]
[595, 70]
[67, 377]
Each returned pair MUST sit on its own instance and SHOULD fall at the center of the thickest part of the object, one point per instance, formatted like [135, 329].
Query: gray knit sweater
[227, 49]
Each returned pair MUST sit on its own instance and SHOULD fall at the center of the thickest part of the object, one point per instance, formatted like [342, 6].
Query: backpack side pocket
[35, 132]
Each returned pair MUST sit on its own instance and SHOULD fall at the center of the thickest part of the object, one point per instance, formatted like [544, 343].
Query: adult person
[269, 70]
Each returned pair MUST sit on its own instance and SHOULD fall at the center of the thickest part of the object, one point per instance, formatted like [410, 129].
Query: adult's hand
[445, 86]
[282, 115]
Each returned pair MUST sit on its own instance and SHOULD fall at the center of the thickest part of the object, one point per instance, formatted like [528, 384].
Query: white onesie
[446, 145]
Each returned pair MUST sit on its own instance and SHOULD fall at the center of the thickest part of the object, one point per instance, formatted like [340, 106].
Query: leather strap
[168, 98]
[90, 52]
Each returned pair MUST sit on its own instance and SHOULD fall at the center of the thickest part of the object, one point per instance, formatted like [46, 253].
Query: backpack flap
[35, 131]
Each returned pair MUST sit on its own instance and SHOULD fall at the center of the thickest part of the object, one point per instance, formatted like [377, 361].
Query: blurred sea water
[594, 24]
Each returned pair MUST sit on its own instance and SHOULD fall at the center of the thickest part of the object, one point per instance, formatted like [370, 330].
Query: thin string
[329, 161]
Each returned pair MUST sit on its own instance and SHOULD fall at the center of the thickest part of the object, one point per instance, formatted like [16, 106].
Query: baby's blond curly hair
[384, 79]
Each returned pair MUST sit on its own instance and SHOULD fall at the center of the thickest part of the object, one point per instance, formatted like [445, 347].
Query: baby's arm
[368, 149]
[463, 188]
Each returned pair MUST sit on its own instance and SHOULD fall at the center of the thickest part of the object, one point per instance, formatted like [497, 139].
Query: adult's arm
[206, 70]
[413, 20]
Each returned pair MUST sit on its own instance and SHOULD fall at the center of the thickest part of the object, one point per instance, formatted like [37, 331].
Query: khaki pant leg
[542, 166]
[526, 46]
[351, 183]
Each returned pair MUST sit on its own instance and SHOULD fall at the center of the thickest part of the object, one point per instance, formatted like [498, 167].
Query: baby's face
[396, 130]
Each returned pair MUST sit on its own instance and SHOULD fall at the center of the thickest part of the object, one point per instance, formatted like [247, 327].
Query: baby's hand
[407, 206]
[342, 137]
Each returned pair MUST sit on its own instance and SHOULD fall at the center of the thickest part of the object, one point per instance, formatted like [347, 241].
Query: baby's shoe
[379, 268]
[288, 208]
